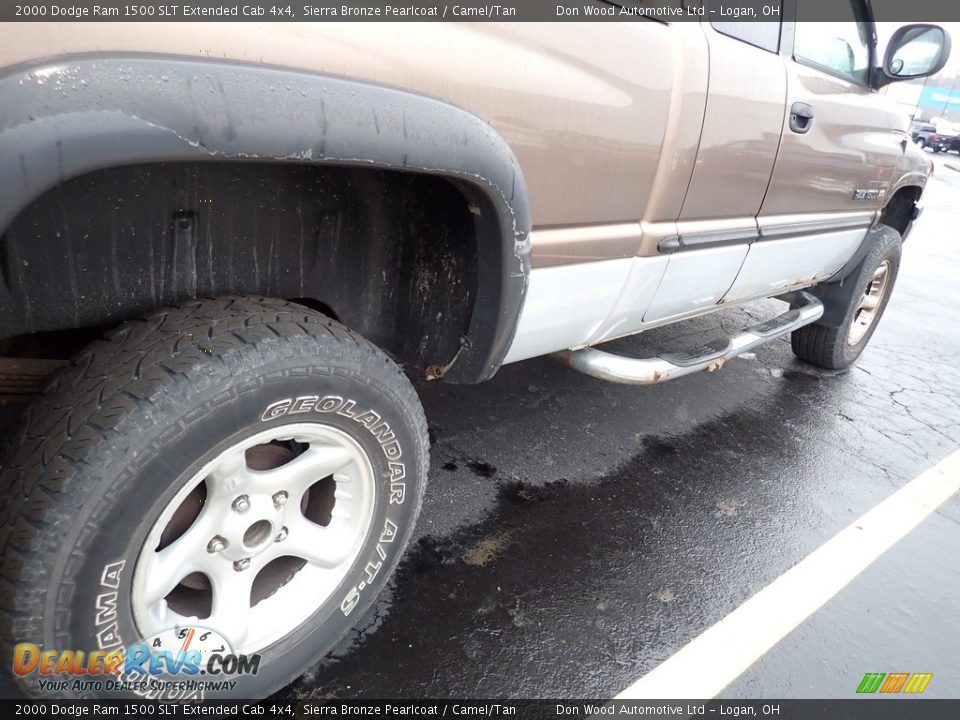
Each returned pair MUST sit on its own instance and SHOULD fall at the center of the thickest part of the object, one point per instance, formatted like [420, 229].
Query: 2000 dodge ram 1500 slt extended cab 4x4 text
[243, 254]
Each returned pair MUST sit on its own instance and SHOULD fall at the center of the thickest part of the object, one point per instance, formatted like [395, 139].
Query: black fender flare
[64, 117]
[835, 292]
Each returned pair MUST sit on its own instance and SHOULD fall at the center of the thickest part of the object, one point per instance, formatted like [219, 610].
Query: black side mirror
[914, 51]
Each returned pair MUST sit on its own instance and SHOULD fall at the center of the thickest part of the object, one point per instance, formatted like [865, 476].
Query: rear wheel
[241, 473]
[853, 309]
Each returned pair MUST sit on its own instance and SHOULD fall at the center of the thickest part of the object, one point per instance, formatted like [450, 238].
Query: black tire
[826, 344]
[105, 447]
[922, 143]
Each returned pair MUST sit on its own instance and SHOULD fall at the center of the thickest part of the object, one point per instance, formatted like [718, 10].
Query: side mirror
[914, 51]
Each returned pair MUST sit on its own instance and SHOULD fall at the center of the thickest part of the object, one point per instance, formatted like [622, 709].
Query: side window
[841, 46]
[760, 33]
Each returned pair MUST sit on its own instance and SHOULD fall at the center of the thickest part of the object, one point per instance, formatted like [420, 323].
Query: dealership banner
[874, 709]
[469, 10]
[940, 98]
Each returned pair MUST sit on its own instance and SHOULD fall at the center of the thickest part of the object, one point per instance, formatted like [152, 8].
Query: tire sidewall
[167, 449]
[889, 251]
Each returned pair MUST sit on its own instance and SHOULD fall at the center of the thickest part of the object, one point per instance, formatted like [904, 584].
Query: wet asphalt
[575, 533]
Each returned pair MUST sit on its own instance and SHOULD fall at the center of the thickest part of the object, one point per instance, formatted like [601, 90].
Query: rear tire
[857, 306]
[162, 411]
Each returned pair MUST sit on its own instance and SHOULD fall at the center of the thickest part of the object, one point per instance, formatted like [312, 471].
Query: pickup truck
[236, 243]
[925, 135]
[941, 139]
[950, 135]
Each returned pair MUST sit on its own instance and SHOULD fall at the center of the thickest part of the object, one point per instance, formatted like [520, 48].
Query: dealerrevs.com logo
[184, 659]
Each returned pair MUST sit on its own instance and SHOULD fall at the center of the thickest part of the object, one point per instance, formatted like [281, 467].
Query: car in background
[926, 135]
[949, 134]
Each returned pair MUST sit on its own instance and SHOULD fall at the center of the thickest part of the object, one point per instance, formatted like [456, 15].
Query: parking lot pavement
[898, 616]
[576, 534]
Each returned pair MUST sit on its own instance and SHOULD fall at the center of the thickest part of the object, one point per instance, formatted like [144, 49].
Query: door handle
[801, 117]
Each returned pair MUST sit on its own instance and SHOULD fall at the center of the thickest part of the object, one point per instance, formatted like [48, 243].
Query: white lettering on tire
[372, 568]
[105, 607]
[395, 475]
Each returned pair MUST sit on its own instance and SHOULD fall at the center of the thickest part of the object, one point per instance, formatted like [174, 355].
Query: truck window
[761, 34]
[842, 47]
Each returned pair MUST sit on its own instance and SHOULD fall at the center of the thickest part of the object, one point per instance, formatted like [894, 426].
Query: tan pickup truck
[238, 235]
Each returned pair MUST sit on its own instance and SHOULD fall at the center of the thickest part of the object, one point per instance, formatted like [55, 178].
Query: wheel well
[391, 254]
[899, 210]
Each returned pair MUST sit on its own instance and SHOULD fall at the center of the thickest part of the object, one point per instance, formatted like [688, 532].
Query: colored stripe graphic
[871, 682]
[894, 683]
[918, 682]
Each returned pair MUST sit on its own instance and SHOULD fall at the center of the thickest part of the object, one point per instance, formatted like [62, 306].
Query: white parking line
[708, 663]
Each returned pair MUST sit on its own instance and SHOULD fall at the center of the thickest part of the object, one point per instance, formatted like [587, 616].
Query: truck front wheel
[230, 478]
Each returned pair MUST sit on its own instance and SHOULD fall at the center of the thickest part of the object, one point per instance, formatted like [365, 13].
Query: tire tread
[84, 406]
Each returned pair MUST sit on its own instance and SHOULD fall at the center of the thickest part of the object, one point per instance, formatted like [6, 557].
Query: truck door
[837, 155]
[742, 124]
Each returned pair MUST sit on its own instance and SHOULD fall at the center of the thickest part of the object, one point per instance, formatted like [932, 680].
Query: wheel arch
[835, 292]
[901, 208]
[70, 116]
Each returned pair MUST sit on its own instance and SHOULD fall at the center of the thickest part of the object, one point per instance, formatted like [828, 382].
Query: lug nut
[241, 565]
[241, 504]
[280, 498]
[282, 535]
[217, 544]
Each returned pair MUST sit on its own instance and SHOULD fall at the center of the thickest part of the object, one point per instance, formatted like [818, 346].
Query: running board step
[805, 309]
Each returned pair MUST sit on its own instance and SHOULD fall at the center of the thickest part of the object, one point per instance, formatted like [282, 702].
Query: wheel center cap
[251, 530]
[257, 534]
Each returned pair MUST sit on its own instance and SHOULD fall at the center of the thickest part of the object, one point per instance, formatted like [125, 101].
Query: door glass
[764, 35]
[761, 33]
[843, 47]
